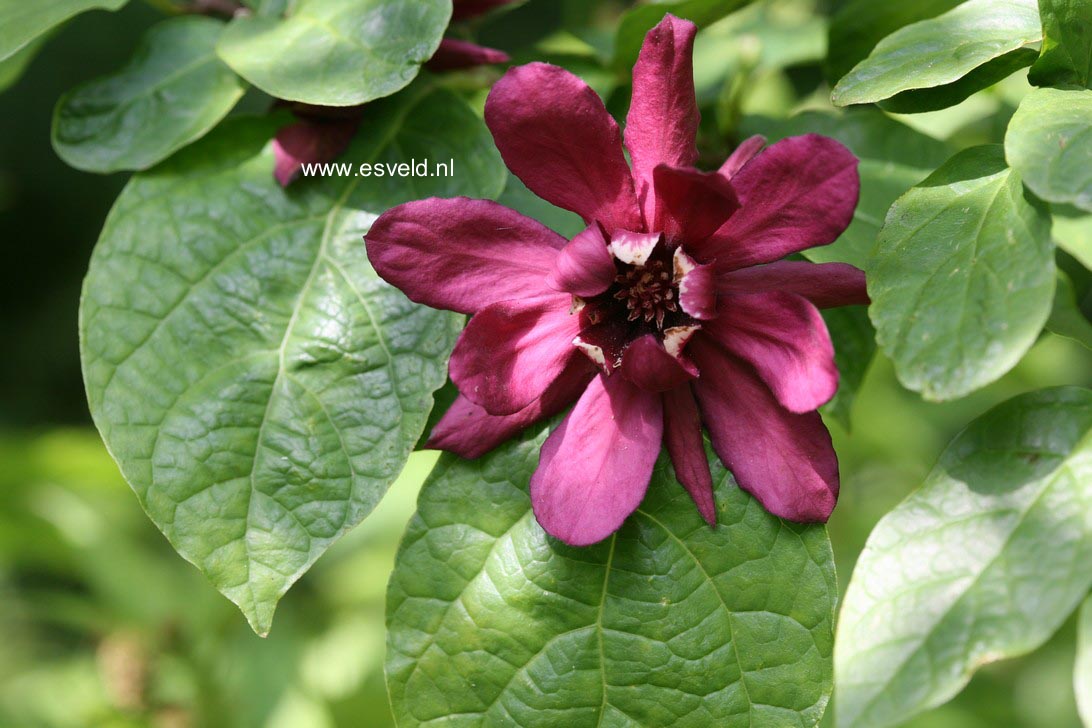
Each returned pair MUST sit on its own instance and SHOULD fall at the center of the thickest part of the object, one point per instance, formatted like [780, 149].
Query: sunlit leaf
[1082, 675]
[1067, 44]
[23, 21]
[1049, 144]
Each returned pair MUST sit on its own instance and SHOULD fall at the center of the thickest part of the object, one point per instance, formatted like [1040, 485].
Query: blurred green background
[101, 624]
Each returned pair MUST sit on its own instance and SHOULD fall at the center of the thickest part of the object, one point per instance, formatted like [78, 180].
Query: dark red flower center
[648, 292]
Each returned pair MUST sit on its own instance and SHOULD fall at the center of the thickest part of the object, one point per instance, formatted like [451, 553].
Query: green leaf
[1067, 44]
[854, 347]
[1082, 675]
[336, 52]
[667, 623]
[962, 279]
[643, 18]
[1074, 235]
[21, 21]
[943, 50]
[13, 67]
[1049, 142]
[860, 24]
[985, 561]
[1066, 318]
[258, 384]
[172, 93]
[519, 198]
[948, 95]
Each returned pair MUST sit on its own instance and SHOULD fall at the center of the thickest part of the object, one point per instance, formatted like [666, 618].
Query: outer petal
[648, 365]
[663, 119]
[785, 339]
[309, 142]
[469, 431]
[462, 254]
[555, 134]
[682, 435]
[744, 153]
[595, 467]
[785, 460]
[824, 284]
[697, 286]
[691, 205]
[511, 352]
[454, 55]
[585, 266]
[799, 193]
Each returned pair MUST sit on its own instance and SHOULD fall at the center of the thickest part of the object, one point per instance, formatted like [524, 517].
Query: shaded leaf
[985, 561]
[256, 381]
[1074, 235]
[1049, 142]
[854, 347]
[23, 21]
[13, 67]
[669, 622]
[1067, 44]
[1066, 318]
[336, 52]
[962, 279]
[173, 92]
[519, 198]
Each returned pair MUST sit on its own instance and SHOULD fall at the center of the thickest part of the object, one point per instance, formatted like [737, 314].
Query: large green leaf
[860, 24]
[957, 47]
[1049, 142]
[1067, 44]
[1082, 675]
[667, 623]
[985, 561]
[1074, 235]
[962, 278]
[1066, 318]
[336, 52]
[641, 19]
[258, 384]
[21, 21]
[173, 92]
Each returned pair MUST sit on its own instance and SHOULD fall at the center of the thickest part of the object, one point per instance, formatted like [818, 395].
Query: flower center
[649, 292]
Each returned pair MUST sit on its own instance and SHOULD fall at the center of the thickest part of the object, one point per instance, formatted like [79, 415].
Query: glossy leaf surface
[1049, 142]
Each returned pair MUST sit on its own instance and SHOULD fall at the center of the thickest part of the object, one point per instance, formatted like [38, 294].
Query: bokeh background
[101, 624]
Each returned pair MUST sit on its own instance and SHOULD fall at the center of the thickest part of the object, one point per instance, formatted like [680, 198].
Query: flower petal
[455, 55]
[309, 142]
[784, 337]
[555, 134]
[634, 248]
[663, 119]
[784, 460]
[682, 435]
[462, 254]
[648, 365]
[797, 194]
[744, 153]
[464, 9]
[697, 286]
[691, 205]
[585, 266]
[469, 431]
[512, 351]
[826, 285]
[596, 466]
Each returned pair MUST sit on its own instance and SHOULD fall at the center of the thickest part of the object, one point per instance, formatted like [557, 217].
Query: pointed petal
[462, 254]
[826, 285]
[455, 55]
[595, 467]
[469, 431]
[682, 435]
[309, 142]
[511, 351]
[786, 340]
[648, 365]
[555, 134]
[691, 205]
[797, 194]
[744, 153]
[785, 460]
[585, 266]
[663, 119]
[697, 286]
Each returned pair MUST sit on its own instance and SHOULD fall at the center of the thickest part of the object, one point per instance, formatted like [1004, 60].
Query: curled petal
[697, 286]
[785, 460]
[555, 134]
[455, 55]
[826, 285]
[596, 466]
[469, 431]
[785, 339]
[691, 205]
[663, 119]
[682, 435]
[744, 153]
[310, 142]
[461, 254]
[512, 351]
[634, 248]
[676, 337]
[585, 266]
[648, 365]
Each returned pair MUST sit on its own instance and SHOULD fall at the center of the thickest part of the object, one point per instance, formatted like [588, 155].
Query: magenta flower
[672, 311]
